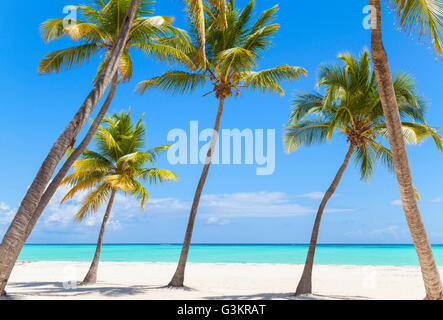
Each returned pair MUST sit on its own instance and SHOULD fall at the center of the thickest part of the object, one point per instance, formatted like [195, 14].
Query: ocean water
[403, 255]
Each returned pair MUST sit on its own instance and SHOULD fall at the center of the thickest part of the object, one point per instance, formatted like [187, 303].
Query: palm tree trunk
[55, 183]
[16, 234]
[382, 70]
[179, 276]
[305, 284]
[91, 276]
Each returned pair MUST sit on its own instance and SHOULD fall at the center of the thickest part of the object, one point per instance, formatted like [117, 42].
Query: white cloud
[436, 200]
[312, 195]
[218, 221]
[242, 204]
[215, 209]
[395, 203]
[59, 215]
[391, 231]
[357, 233]
[6, 213]
[256, 204]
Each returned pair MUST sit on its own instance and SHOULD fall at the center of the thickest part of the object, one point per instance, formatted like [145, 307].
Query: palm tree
[425, 17]
[351, 106]
[231, 55]
[118, 165]
[17, 232]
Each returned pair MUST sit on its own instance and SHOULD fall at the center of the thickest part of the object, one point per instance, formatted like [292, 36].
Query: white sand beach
[144, 280]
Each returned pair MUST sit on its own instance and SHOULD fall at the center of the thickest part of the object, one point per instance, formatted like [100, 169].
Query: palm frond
[166, 53]
[237, 59]
[176, 82]
[306, 132]
[366, 159]
[424, 17]
[141, 193]
[125, 66]
[159, 175]
[94, 200]
[270, 79]
[58, 60]
[86, 182]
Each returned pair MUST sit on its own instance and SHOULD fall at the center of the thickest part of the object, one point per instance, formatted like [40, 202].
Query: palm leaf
[306, 132]
[93, 200]
[424, 17]
[270, 79]
[174, 82]
[57, 60]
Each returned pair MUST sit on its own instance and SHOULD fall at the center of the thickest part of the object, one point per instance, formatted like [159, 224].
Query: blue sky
[238, 205]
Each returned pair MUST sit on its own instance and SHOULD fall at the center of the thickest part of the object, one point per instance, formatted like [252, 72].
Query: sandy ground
[133, 280]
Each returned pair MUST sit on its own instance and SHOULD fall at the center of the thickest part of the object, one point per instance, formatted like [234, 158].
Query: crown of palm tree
[351, 105]
[99, 30]
[234, 43]
[119, 163]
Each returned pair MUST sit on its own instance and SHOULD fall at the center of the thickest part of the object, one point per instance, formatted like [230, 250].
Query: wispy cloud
[252, 204]
[357, 233]
[390, 231]
[6, 213]
[312, 195]
[215, 209]
[395, 203]
[257, 204]
[218, 221]
[436, 200]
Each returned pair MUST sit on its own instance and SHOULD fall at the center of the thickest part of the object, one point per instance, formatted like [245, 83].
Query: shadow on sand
[57, 289]
[285, 296]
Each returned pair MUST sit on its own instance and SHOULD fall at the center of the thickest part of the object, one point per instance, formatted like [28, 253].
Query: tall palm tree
[119, 164]
[351, 106]
[231, 55]
[426, 18]
[17, 232]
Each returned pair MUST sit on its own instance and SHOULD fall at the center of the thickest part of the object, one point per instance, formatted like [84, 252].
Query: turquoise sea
[236, 253]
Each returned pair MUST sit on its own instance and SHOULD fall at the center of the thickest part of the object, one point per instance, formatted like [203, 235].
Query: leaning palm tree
[18, 232]
[351, 106]
[231, 56]
[97, 33]
[425, 17]
[119, 164]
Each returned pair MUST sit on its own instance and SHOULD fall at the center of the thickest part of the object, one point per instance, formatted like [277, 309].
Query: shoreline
[229, 263]
[383, 255]
[208, 281]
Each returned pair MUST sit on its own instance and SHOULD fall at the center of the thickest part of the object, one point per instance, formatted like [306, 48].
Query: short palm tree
[119, 164]
[351, 106]
[426, 18]
[232, 53]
